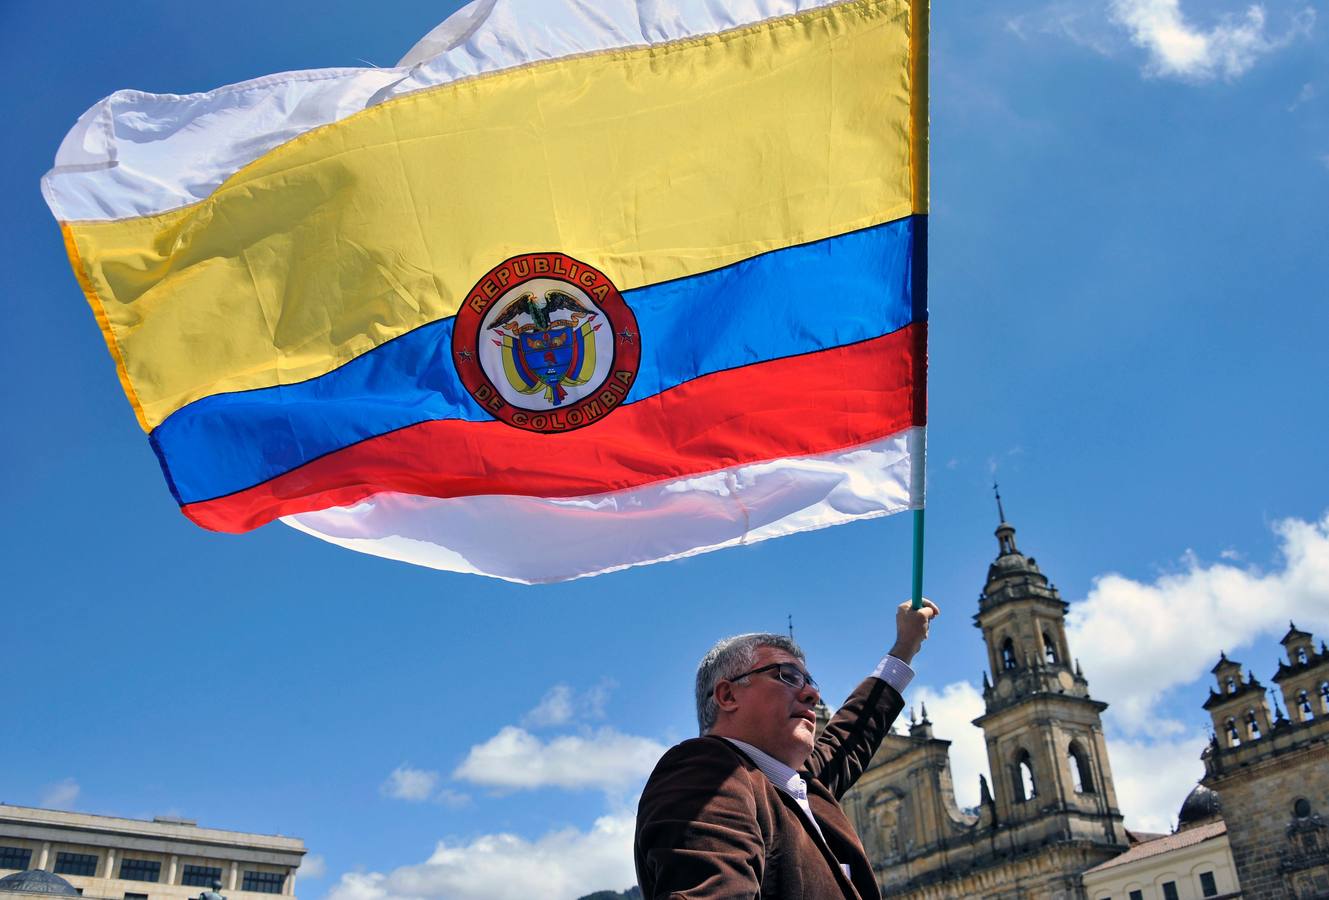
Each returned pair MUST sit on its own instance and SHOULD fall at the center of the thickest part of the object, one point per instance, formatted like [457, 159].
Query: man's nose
[809, 693]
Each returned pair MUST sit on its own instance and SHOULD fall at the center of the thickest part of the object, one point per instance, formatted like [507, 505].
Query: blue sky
[1129, 314]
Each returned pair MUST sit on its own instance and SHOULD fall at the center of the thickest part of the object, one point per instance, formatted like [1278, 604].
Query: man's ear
[724, 696]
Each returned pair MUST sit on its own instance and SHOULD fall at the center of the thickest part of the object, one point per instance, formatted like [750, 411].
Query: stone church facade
[1050, 811]
[1271, 773]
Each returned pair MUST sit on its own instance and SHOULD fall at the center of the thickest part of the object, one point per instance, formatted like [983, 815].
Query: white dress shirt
[894, 672]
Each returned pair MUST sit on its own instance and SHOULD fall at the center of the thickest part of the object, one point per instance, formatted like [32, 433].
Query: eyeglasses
[789, 673]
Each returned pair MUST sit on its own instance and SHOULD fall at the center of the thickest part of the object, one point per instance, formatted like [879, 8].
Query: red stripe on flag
[798, 406]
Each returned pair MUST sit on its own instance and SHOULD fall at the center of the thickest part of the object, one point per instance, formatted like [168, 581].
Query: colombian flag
[565, 291]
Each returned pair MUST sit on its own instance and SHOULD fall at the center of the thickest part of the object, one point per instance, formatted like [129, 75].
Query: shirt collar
[779, 774]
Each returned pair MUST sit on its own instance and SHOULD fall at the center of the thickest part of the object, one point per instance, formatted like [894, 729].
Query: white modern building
[128, 859]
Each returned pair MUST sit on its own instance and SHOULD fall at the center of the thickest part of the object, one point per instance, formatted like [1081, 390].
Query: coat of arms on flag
[535, 343]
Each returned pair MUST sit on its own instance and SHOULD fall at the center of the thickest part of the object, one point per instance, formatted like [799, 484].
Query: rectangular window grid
[1170, 890]
[1137, 895]
[15, 858]
[140, 870]
[264, 882]
[200, 876]
[1207, 886]
[76, 864]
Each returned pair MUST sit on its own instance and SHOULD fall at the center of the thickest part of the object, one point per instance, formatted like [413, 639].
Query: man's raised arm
[853, 735]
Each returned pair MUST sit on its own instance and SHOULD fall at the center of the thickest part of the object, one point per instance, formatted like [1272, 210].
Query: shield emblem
[550, 355]
[548, 359]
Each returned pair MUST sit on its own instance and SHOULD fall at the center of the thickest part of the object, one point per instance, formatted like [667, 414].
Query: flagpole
[918, 559]
[918, 53]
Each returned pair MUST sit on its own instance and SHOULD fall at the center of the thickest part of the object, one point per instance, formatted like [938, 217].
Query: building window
[1081, 776]
[15, 858]
[1304, 702]
[1008, 655]
[200, 876]
[1301, 656]
[140, 870]
[1137, 895]
[76, 864]
[1049, 649]
[129, 896]
[1252, 726]
[264, 882]
[1324, 696]
[1207, 886]
[1302, 808]
[1233, 739]
[1170, 891]
[1231, 685]
[1025, 789]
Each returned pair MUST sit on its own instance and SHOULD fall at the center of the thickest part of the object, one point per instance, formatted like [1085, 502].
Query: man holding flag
[751, 808]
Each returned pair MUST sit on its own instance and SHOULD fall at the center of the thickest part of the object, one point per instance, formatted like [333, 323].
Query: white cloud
[555, 708]
[409, 784]
[1304, 96]
[452, 799]
[515, 759]
[60, 795]
[1075, 21]
[593, 701]
[952, 711]
[1180, 49]
[312, 866]
[1138, 640]
[1152, 777]
[561, 865]
[561, 705]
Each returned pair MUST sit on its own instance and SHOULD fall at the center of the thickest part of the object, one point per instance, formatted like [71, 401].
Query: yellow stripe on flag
[650, 163]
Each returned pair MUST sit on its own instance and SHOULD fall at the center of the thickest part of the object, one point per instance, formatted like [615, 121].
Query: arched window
[1231, 685]
[1025, 788]
[1324, 697]
[1049, 649]
[1008, 655]
[1301, 656]
[1233, 738]
[1252, 726]
[1304, 704]
[1082, 776]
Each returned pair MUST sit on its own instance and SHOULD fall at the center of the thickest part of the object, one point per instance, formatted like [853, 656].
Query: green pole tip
[918, 559]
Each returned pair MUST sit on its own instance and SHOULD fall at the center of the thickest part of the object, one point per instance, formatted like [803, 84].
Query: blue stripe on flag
[788, 302]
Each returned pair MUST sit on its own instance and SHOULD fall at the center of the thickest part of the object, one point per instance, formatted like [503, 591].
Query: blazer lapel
[817, 838]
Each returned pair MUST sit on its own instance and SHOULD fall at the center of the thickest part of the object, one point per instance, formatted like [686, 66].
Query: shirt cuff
[894, 672]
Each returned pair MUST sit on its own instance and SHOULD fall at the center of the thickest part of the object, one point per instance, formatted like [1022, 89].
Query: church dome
[1201, 805]
[35, 881]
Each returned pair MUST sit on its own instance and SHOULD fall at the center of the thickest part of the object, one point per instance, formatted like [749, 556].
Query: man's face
[770, 714]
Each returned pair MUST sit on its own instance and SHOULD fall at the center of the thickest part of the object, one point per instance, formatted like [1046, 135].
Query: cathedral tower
[1304, 678]
[1238, 707]
[1049, 811]
[1044, 734]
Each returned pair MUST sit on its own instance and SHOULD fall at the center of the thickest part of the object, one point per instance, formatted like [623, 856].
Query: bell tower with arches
[1044, 733]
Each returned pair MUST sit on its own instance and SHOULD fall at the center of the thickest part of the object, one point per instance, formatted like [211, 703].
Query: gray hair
[730, 657]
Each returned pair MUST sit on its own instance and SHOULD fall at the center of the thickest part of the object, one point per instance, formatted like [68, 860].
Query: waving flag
[565, 291]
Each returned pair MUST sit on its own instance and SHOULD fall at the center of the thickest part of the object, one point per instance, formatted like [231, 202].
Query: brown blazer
[711, 825]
